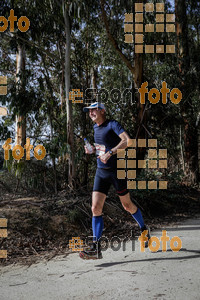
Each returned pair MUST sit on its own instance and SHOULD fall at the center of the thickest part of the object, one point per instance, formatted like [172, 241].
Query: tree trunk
[62, 91]
[53, 157]
[84, 115]
[70, 129]
[137, 73]
[198, 132]
[189, 133]
[112, 39]
[20, 133]
[94, 81]
[62, 78]
[141, 115]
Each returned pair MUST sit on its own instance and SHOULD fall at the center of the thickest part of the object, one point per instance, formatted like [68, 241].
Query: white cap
[94, 105]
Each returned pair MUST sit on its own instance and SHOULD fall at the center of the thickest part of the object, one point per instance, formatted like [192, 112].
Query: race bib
[100, 149]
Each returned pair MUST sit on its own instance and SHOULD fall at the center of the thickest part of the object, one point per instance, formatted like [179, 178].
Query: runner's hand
[87, 152]
[105, 157]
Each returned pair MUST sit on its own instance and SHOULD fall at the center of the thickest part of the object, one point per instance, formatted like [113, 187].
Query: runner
[109, 136]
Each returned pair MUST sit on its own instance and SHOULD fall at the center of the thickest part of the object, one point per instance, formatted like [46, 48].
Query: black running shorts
[105, 177]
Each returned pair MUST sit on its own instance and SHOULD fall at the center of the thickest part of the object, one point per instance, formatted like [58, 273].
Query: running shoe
[91, 252]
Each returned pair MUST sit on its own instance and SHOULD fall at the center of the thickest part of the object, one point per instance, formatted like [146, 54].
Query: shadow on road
[106, 265]
[180, 229]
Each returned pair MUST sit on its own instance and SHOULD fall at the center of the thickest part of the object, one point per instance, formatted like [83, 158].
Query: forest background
[81, 45]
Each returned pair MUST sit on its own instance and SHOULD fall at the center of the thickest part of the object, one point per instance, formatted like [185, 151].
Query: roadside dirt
[40, 226]
[123, 274]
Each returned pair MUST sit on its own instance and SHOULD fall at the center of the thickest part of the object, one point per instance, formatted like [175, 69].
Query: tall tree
[189, 130]
[20, 134]
[70, 127]
[136, 69]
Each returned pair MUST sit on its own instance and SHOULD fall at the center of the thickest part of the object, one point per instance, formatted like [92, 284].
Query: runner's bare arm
[123, 144]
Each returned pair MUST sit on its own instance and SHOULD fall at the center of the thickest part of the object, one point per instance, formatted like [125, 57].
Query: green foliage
[43, 80]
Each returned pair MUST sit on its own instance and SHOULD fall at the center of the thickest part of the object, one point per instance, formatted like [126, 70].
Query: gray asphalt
[119, 275]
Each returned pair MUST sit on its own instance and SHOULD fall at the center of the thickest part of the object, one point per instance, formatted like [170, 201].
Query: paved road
[119, 275]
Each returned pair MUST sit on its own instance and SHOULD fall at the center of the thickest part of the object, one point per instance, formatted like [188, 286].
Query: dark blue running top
[107, 134]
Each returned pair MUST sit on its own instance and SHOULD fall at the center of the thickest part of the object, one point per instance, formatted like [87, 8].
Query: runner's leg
[132, 208]
[98, 200]
[136, 214]
[100, 190]
[124, 195]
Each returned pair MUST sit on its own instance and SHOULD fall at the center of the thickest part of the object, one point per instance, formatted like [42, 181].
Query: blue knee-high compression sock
[97, 227]
[138, 218]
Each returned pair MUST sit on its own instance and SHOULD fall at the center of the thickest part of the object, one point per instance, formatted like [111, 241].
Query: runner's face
[95, 114]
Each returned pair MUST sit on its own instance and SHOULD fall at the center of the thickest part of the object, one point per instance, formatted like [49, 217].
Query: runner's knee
[96, 210]
[127, 206]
